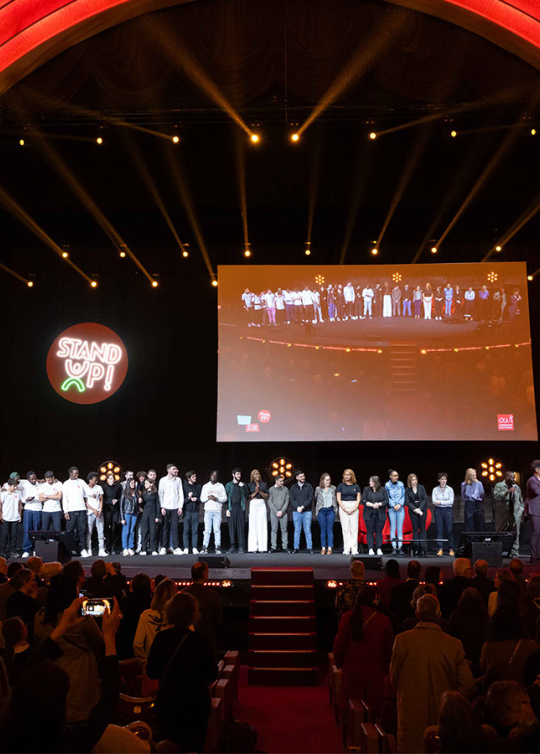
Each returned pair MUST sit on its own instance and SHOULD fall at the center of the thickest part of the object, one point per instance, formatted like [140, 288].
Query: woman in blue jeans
[129, 509]
[325, 510]
[396, 510]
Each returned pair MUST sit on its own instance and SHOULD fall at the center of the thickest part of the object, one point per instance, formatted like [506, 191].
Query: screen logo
[243, 420]
[505, 421]
[252, 428]
[87, 363]
[264, 416]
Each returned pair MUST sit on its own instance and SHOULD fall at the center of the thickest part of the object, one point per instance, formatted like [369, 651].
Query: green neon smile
[73, 381]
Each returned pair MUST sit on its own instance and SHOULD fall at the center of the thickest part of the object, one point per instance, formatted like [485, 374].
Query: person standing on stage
[375, 502]
[129, 510]
[10, 518]
[396, 510]
[278, 502]
[472, 492]
[325, 512]
[151, 517]
[331, 299]
[387, 301]
[258, 522]
[417, 301]
[289, 305]
[307, 304]
[396, 301]
[301, 497]
[247, 301]
[448, 296]
[532, 509]
[469, 297]
[192, 501]
[94, 513]
[50, 495]
[280, 307]
[349, 295]
[427, 298]
[406, 299]
[368, 295]
[270, 302]
[171, 500]
[112, 492]
[29, 489]
[340, 302]
[416, 501]
[213, 496]
[74, 494]
[348, 495]
[237, 497]
[438, 302]
[509, 493]
[442, 498]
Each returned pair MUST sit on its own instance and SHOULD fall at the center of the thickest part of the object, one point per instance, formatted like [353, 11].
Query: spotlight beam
[15, 274]
[314, 185]
[17, 211]
[240, 165]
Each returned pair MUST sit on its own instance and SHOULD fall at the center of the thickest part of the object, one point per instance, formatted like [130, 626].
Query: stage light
[175, 139]
[255, 138]
[281, 466]
[375, 251]
[492, 468]
[498, 248]
[214, 283]
[423, 351]
[99, 140]
[319, 279]
[533, 131]
[307, 250]
[453, 134]
[93, 284]
[434, 250]
[492, 277]
[529, 277]
[21, 142]
[110, 467]
[396, 277]
[155, 283]
[30, 284]
[185, 253]
[373, 135]
[65, 255]
[295, 137]
[332, 584]
[247, 253]
[122, 254]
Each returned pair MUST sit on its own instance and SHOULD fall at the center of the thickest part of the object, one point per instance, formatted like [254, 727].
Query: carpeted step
[279, 624]
[281, 576]
[283, 641]
[281, 592]
[282, 607]
[281, 676]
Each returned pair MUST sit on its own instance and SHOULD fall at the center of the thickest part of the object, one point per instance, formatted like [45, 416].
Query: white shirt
[368, 293]
[470, 295]
[297, 298]
[246, 298]
[93, 497]
[270, 300]
[74, 494]
[316, 296]
[348, 293]
[287, 297]
[306, 298]
[171, 494]
[280, 302]
[30, 490]
[51, 506]
[10, 505]
[217, 490]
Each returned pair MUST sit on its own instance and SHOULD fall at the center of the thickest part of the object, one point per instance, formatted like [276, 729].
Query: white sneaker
[379, 552]
[125, 553]
[143, 552]
[163, 551]
[371, 552]
[27, 554]
[178, 551]
[195, 551]
[102, 553]
[86, 554]
[155, 553]
[131, 552]
[186, 551]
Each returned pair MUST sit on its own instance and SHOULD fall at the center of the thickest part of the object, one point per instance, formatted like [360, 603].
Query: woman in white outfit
[427, 298]
[258, 523]
[348, 496]
[387, 302]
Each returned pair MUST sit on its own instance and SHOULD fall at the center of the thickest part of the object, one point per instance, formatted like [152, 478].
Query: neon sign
[87, 363]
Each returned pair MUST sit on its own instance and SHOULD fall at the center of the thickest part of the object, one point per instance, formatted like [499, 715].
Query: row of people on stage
[146, 512]
[340, 303]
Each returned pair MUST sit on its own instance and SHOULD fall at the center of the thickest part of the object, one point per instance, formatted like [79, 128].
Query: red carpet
[292, 720]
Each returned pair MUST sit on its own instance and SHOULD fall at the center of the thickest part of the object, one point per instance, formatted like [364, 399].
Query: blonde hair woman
[348, 498]
[153, 620]
[472, 492]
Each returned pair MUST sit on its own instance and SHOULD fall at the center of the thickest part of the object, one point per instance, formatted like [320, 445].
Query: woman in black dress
[375, 502]
[416, 501]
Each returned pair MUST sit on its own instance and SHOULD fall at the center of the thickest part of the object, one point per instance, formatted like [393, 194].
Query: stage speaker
[490, 551]
[55, 545]
[371, 562]
[505, 539]
[215, 561]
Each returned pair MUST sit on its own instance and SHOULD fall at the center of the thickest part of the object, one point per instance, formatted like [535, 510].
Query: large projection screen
[375, 352]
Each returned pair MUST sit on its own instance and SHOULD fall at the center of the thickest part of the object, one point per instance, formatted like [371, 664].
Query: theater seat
[130, 709]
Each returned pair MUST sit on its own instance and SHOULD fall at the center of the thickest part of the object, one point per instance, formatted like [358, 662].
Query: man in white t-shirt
[307, 303]
[74, 494]
[367, 295]
[171, 500]
[247, 301]
[94, 514]
[349, 295]
[10, 517]
[29, 489]
[50, 495]
[213, 496]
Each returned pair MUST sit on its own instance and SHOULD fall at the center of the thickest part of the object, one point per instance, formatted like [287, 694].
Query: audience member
[531, 607]
[385, 585]
[506, 649]
[450, 591]
[516, 569]
[75, 572]
[426, 662]
[153, 619]
[433, 575]
[502, 574]
[363, 648]
[22, 603]
[209, 605]
[7, 589]
[3, 570]
[509, 711]
[103, 582]
[35, 565]
[133, 605]
[346, 596]
[17, 649]
[468, 623]
[531, 680]
[46, 572]
[420, 590]
[481, 581]
[401, 594]
[460, 731]
[117, 568]
[183, 662]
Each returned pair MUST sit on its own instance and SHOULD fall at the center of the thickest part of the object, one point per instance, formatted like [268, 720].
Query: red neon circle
[87, 363]
[264, 416]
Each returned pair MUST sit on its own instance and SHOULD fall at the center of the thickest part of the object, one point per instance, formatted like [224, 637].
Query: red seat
[407, 527]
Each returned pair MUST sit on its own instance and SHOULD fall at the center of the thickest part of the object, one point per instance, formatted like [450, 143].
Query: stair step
[281, 576]
[278, 624]
[289, 641]
[266, 592]
[282, 658]
[282, 676]
[282, 607]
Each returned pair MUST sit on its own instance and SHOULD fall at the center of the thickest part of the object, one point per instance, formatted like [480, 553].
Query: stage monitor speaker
[490, 551]
[505, 538]
[215, 561]
[55, 545]
[371, 562]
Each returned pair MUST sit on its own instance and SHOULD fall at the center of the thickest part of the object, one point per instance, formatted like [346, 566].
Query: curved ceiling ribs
[33, 32]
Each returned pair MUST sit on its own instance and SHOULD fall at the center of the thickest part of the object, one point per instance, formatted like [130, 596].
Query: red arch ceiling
[33, 31]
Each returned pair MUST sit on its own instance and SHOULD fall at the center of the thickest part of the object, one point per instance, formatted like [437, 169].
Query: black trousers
[374, 527]
[78, 524]
[191, 525]
[237, 524]
[170, 522]
[111, 518]
[9, 534]
[418, 531]
[149, 529]
[474, 515]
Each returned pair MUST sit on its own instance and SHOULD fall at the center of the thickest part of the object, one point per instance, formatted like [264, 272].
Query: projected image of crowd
[340, 303]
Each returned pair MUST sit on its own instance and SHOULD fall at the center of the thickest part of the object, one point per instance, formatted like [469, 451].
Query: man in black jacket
[450, 591]
[301, 498]
[192, 501]
[401, 595]
[209, 605]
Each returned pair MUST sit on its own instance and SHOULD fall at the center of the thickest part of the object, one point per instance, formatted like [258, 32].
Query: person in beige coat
[426, 662]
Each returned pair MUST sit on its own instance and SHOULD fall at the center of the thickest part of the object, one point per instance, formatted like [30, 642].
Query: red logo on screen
[505, 421]
[252, 427]
[264, 416]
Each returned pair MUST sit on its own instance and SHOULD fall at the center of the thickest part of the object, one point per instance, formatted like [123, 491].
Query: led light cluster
[492, 469]
[282, 467]
[110, 467]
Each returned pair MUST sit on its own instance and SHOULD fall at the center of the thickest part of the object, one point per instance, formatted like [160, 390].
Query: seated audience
[153, 619]
[450, 591]
[385, 585]
[481, 581]
[209, 604]
[346, 596]
[506, 649]
[103, 582]
[401, 595]
[363, 648]
[182, 661]
[468, 623]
